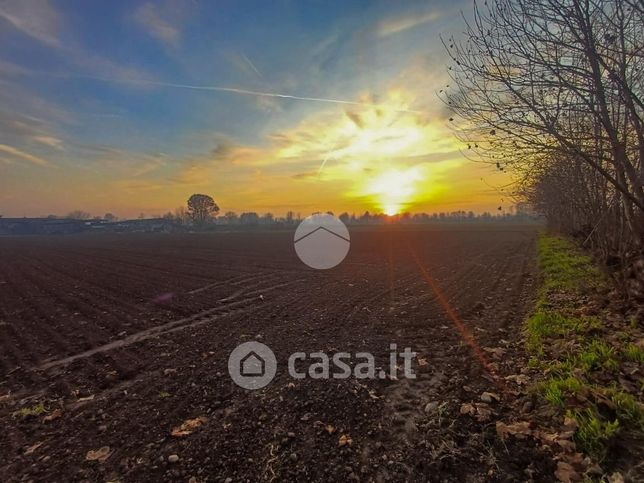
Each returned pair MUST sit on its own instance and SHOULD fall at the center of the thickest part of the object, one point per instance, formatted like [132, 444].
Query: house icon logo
[252, 365]
[321, 241]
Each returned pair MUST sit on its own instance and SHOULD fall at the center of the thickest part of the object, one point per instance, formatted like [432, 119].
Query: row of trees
[552, 90]
[291, 219]
[84, 215]
[202, 210]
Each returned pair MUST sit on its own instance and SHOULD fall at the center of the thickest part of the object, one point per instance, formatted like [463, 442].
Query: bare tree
[181, 215]
[552, 89]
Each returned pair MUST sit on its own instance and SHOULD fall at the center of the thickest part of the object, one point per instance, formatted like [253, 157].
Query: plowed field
[116, 339]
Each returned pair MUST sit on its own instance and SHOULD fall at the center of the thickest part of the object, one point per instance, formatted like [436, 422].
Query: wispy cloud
[408, 21]
[36, 18]
[102, 66]
[152, 20]
[19, 126]
[119, 162]
[24, 130]
[148, 167]
[40, 20]
[11, 69]
[30, 124]
[50, 141]
[17, 153]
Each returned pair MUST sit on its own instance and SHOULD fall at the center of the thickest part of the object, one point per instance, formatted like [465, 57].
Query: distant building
[41, 226]
[64, 226]
[150, 225]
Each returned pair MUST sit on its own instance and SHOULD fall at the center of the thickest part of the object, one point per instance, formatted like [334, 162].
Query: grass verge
[587, 361]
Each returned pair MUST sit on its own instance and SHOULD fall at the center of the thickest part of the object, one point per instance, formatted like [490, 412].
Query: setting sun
[384, 154]
[394, 190]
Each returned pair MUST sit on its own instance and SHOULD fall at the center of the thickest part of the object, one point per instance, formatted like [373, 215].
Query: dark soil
[124, 337]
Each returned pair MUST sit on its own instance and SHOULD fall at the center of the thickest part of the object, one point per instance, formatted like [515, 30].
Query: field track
[129, 335]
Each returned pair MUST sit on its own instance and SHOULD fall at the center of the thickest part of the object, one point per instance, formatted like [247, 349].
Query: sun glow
[383, 156]
[394, 189]
[391, 209]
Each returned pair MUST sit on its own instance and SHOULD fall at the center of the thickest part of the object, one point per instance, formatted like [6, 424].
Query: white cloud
[154, 23]
[36, 18]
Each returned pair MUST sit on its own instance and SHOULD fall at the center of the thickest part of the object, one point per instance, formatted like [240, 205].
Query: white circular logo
[252, 365]
[322, 241]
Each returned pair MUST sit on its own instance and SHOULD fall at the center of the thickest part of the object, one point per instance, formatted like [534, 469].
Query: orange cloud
[17, 153]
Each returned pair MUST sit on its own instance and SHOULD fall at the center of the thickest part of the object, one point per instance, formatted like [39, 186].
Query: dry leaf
[422, 361]
[566, 473]
[520, 379]
[573, 458]
[616, 478]
[483, 412]
[547, 438]
[551, 439]
[99, 455]
[345, 440]
[570, 423]
[567, 445]
[54, 415]
[593, 468]
[33, 448]
[188, 427]
[490, 396]
[329, 429]
[480, 411]
[467, 408]
[520, 429]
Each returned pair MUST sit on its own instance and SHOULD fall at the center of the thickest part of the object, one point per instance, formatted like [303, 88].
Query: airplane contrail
[248, 92]
[252, 66]
[326, 158]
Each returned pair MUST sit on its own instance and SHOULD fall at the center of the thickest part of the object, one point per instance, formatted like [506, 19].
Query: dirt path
[129, 336]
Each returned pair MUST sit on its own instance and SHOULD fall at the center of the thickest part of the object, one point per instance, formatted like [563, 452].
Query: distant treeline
[181, 221]
[367, 218]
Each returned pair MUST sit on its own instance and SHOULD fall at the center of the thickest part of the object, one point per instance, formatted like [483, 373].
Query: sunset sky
[130, 107]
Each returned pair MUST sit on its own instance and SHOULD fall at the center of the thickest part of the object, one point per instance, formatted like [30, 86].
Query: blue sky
[114, 106]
